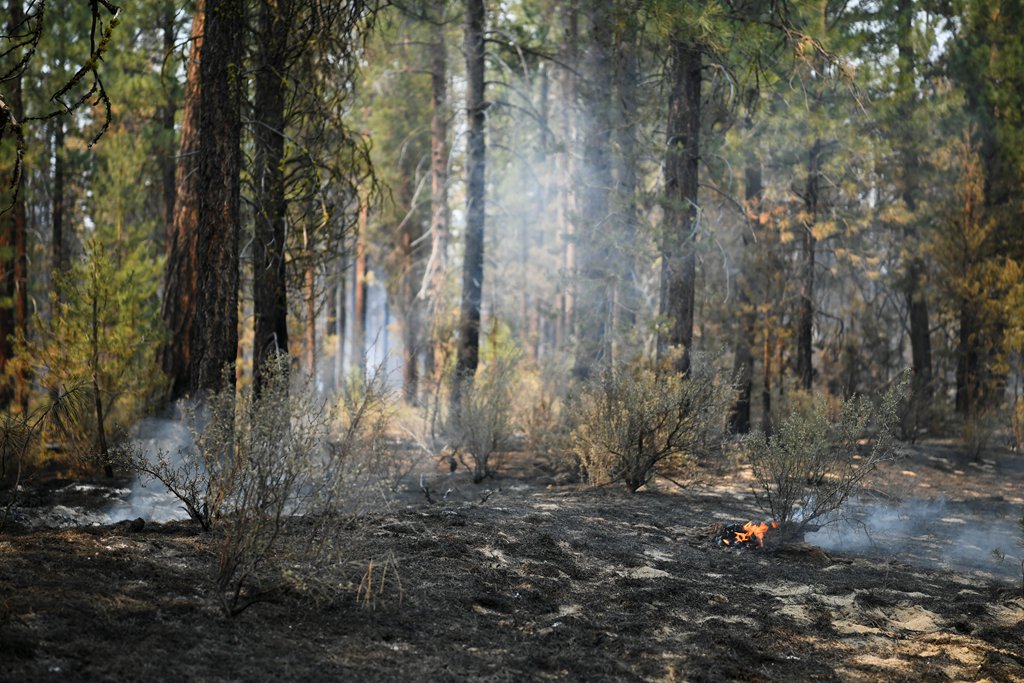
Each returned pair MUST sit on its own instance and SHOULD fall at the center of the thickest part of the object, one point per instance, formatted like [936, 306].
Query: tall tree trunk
[627, 76]
[434, 276]
[473, 259]
[678, 271]
[309, 298]
[805, 312]
[57, 247]
[214, 335]
[359, 296]
[566, 171]
[913, 292]
[968, 384]
[766, 384]
[181, 276]
[270, 299]
[167, 115]
[409, 310]
[593, 307]
[18, 219]
[339, 312]
[9, 235]
[743, 360]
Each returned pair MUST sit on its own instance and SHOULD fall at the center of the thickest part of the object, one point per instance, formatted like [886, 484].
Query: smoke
[969, 535]
[151, 500]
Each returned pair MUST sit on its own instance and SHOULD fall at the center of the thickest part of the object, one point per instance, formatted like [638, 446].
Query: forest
[469, 334]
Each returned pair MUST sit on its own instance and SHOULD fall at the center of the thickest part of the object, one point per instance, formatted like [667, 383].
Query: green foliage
[816, 458]
[104, 332]
[20, 434]
[633, 418]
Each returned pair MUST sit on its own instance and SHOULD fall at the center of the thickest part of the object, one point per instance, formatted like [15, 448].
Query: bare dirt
[537, 582]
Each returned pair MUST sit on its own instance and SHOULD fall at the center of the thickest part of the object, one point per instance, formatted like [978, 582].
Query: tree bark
[594, 282]
[214, 337]
[167, 115]
[270, 298]
[627, 76]
[12, 224]
[743, 360]
[433, 288]
[181, 275]
[678, 272]
[473, 259]
[566, 171]
[913, 292]
[359, 295]
[805, 313]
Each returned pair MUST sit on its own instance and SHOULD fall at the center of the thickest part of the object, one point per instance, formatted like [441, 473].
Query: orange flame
[753, 531]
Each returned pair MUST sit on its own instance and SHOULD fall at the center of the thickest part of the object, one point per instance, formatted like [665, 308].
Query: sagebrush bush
[261, 462]
[816, 458]
[632, 418]
[481, 423]
[539, 409]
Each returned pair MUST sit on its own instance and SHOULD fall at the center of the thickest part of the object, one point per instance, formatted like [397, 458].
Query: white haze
[150, 499]
[975, 535]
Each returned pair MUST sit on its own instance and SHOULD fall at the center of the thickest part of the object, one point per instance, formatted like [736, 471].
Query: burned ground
[536, 583]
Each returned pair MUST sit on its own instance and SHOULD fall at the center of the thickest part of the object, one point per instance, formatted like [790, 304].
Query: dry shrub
[979, 431]
[262, 463]
[814, 460]
[481, 424]
[539, 409]
[633, 418]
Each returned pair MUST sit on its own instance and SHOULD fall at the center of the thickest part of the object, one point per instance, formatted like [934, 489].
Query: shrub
[259, 463]
[541, 396]
[633, 418]
[814, 461]
[481, 423]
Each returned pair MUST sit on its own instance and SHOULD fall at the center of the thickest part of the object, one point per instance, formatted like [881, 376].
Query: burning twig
[749, 535]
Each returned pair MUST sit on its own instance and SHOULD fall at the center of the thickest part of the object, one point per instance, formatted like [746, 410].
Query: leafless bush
[481, 424]
[815, 459]
[633, 418]
[261, 463]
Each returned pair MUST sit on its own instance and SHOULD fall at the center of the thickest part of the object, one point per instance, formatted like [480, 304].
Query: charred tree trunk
[743, 361]
[627, 76]
[593, 307]
[214, 334]
[181, 275]
[13, 262]
[473, 260]
[805, 313]
[678, 272]
[270, 299]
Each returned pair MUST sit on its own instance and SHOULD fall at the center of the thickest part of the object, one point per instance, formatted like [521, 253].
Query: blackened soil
[535, 583]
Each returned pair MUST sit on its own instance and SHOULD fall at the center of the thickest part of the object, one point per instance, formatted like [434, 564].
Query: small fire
[749, 535]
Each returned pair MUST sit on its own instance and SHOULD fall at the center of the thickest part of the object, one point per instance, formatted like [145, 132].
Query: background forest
[802, 196]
